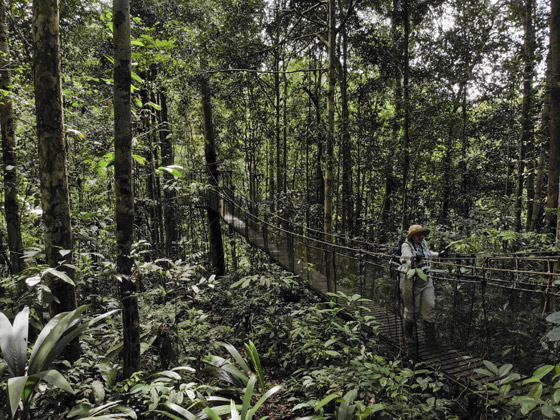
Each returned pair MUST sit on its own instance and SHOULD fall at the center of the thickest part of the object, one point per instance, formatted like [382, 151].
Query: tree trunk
[7, 121]
[215, 232]
[554, 127]
[167, 159]
[406, 107]
[537, 222]
[555, 94]
[329, 158]
[124, 194]
[526, 117]
[347, 198]
[53, 171]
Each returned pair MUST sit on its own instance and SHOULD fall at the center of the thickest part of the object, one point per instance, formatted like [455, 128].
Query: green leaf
[547, 410]
[504, 370]
[326, 400]
[346, 410]
[554, 334]
[556, 396]
[542, 371]
[492, 367]
[55, 378]
[262, 399]
[182, 411]
[554, 318]
[248, 396]
[140, 159]
[54, 338]
[13, 341]
[255, 359]
[421, 274]
[154, 105]
[59, 274]
[237, 356]
[212, 414]
[137, 78]
[15, 390]
[536, 391]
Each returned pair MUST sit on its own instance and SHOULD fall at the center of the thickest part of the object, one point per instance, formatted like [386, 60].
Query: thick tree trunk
[7, 121]
[215, 234]
[554, 112]
[53, 171]
[555, 93]
[124, 194]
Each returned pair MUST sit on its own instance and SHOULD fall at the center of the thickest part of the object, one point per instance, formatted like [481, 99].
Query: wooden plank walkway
[445, 359]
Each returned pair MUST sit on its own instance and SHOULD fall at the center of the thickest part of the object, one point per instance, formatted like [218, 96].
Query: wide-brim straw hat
[415, 229]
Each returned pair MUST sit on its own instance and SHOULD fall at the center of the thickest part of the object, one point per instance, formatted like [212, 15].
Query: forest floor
[257, 337]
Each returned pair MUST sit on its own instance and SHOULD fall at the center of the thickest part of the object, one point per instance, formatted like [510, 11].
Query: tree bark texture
[526, 117]
[555, 96]
[215, 231]
[329, 158]
[406, 107]
[347, 196]
[7, 122]
[53, 171]
[169, 193]
[124, 194]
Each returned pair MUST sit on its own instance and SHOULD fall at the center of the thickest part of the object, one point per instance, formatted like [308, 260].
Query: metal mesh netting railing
[493, 306]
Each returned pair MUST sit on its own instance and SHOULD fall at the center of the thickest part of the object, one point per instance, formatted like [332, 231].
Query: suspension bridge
[489, 306]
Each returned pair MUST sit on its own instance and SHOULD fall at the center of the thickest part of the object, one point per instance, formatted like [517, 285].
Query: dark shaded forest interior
[283, 209]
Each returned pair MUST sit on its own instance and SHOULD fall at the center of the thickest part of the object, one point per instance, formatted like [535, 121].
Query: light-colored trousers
[419, 298]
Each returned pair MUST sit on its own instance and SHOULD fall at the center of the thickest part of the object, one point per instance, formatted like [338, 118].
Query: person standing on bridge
[418, 290]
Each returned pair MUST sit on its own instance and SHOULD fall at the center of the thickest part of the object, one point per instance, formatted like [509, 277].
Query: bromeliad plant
[54, 337]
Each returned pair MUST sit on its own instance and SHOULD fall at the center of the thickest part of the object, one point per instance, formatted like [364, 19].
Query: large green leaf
[13, 341]
[248, 396]
[326, 400]
[55, 378]
[49, 336]
[45, 351]
[255, 359]
[240, 361]
[262, 399]
[15, 390]
[346, 410]
[182, 411]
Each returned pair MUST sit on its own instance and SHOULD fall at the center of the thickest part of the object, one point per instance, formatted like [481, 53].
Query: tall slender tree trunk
[124, 193]
[526, 117]
[329, 157]
[169, 193]
[215, 235]
[406, 107]
[347, 176]
[537, 221]
[7, 121]
[53, 170]
[555, 94]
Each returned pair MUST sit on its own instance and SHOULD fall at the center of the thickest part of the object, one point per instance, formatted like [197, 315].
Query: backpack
[395, 256]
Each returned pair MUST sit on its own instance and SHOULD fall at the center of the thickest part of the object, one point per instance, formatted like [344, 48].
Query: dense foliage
[350, 117]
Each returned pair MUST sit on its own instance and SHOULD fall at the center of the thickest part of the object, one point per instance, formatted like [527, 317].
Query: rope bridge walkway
[492, 306]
